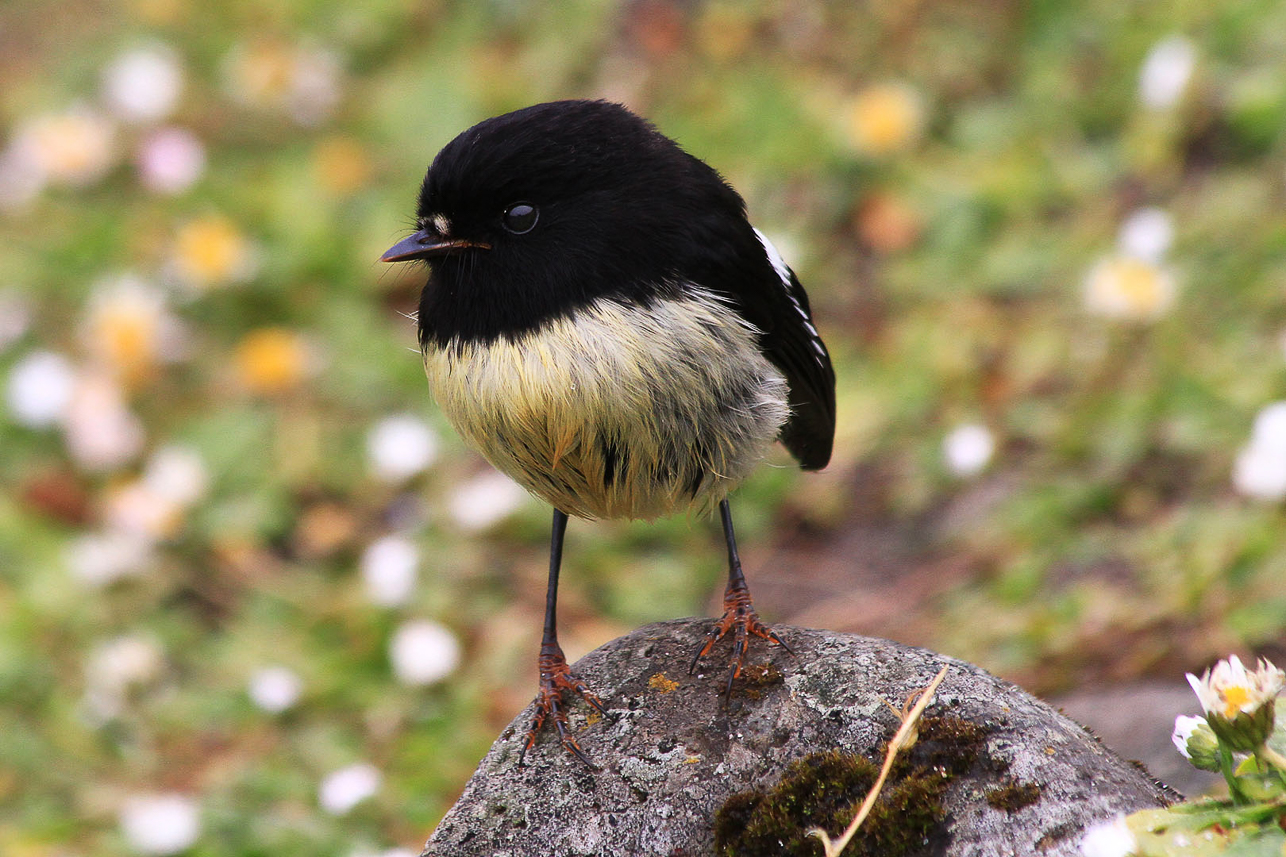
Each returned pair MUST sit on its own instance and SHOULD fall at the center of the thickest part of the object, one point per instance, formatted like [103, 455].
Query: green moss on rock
[1012, 795]
[825, 789]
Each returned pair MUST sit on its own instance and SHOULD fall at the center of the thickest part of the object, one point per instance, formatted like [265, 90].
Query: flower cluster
[138, 484]
[1237, 735]
[1134, 284]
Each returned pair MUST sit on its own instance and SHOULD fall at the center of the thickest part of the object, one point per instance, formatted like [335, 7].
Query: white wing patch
[778, 263]
[783, 272]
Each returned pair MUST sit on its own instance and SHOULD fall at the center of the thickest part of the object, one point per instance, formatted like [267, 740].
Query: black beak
[425, 245]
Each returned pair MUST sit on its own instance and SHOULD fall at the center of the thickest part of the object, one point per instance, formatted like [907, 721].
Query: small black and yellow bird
[602, 322]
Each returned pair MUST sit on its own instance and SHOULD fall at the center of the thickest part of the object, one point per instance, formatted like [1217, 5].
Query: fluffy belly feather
[618, 411]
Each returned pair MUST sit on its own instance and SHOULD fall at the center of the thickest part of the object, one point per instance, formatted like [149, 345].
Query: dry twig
[905, 737]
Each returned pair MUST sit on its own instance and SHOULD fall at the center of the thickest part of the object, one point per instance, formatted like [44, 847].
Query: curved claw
[555, 677]
[569, 743]
[739, 614]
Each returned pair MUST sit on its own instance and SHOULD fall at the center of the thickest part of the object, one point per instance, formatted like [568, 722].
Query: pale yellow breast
[618, 411]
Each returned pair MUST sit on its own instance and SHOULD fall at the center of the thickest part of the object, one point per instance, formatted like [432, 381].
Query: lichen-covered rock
[997, 772]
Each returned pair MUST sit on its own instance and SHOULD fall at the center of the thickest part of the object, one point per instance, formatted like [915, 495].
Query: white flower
[344, 789]
[1196, 741]
[1270, 426]
[176, 473]
[124, 662]
[1240, 704]
[1166, 72]
[968, 449]
[1260, 468]
[1129, 288]
[170, 160]
[113, 669]
[40, 389]
[212, 251]
[1184, 727]
[1146, 234]
[143, 84]
[160, 824]
[1109, 839]
[99, 559]
[1259, 471]
[101, 432]
[485, 500]
[1230, 689]
[401, 446]
[75, 148]
[275, 689]
[389, 566]
[423, 652]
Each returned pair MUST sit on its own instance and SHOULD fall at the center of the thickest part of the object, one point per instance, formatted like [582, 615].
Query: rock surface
[671, 752]
[1136, 720]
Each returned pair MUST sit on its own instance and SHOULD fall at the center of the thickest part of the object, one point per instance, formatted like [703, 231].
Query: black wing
[715, 246]
[791, 342]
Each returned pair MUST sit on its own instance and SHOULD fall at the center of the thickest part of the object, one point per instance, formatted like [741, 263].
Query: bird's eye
[520, 218]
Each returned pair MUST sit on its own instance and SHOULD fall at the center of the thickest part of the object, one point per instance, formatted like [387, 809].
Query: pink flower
[170, 160]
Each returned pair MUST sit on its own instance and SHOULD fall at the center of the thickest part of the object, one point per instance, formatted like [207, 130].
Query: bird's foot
[738, 615]
[555, 677]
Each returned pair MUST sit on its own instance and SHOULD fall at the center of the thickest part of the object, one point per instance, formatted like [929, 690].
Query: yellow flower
[212, 251]
[341, 165]
[885, 118]
[128, 328]
[273, 360]
[1239, 703]
[260, 73]
[1129, 288]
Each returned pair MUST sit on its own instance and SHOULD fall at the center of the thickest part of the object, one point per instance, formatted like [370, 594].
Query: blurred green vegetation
[946, 228]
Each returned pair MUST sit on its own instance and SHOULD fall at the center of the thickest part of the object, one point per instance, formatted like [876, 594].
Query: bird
[602, 322]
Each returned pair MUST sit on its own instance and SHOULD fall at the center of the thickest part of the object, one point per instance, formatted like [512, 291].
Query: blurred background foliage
[255, 597]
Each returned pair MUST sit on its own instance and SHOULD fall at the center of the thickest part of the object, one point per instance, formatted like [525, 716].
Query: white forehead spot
[778, 263]
[440, 224]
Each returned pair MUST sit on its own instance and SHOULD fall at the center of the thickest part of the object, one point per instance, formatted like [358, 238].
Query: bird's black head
[528, 216]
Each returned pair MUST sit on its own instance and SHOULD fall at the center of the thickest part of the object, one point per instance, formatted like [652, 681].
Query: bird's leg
[555, 675]
[738, 610]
